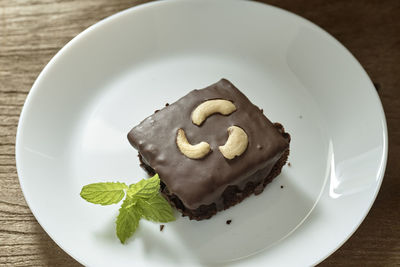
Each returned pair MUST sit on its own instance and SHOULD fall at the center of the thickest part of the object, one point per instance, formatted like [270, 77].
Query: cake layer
[198, 182]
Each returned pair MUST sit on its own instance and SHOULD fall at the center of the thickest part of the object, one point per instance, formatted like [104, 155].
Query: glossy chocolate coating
[201, 181]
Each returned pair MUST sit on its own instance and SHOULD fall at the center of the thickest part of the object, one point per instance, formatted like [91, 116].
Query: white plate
[74, 123]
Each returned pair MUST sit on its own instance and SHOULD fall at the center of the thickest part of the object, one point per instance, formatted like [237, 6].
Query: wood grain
[31, 33]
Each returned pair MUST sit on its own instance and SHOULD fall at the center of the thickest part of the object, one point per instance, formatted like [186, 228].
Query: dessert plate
[73, 127]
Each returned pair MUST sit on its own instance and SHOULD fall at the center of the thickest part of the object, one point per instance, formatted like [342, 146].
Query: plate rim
[81, 36]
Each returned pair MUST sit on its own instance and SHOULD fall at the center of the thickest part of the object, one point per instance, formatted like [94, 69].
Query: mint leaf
[143, 200]
[145, 188]
[127, 220]
[104, 193]
[156, 209]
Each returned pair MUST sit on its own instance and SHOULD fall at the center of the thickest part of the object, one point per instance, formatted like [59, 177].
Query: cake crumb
[259, 147]
[228, 221]
[162, 227]
[300, 117]
[289, 164]
[262, 111]
[281, 186]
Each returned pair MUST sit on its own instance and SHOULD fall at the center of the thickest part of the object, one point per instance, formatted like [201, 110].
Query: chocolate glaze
[202, 181]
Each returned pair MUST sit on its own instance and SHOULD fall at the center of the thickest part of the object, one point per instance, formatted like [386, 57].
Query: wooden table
[32, 31]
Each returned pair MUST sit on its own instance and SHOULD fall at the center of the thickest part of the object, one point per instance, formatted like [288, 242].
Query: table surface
[32, 31]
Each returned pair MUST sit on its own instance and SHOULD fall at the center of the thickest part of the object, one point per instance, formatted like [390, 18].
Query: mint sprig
[143, 200]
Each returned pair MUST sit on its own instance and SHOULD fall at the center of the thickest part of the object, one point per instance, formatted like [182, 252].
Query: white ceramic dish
[73, 128]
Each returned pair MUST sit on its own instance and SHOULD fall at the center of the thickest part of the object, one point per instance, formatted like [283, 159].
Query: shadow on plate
[256, 224]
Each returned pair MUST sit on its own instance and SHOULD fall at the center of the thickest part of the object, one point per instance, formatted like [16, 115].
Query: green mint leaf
[104, 193]
[145, 189]
[127, 220]
[156, 209]
[143, 200]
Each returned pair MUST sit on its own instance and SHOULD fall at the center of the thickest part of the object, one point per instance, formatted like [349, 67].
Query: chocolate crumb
[281, 186]
[289, 164]
[166, 104]
[157, 110]
[262, 111]
[228, 221]
[162, 227]
[300, 117]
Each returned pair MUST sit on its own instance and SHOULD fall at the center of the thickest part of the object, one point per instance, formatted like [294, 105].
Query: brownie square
[201, 187]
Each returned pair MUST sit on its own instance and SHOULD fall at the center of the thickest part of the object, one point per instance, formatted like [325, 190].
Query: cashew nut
[209, 107]
[236, 144]
[191, 151]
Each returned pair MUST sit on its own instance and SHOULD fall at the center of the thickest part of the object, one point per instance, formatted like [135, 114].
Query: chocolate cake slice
[212, 148]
